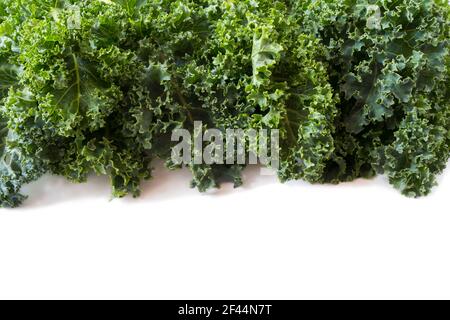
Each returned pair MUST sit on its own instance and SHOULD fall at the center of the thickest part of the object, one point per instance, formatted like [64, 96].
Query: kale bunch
[356, 88]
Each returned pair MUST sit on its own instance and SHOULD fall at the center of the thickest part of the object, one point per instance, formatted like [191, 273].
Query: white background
[360, 240]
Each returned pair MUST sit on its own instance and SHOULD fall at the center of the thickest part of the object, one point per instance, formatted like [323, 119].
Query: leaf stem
[183, 102]
[78, 83]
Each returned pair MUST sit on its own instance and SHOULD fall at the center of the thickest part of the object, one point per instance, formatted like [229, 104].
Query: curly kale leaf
[67, 109]
[388, 61]
[15, 169]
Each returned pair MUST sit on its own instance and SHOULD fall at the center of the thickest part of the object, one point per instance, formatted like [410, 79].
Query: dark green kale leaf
[389, 61]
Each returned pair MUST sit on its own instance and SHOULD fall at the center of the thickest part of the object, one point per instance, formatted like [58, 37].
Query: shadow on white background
[167, 185]
[266, 240]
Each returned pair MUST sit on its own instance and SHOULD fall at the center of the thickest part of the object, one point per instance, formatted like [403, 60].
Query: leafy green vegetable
[389, 62]
[355, 87]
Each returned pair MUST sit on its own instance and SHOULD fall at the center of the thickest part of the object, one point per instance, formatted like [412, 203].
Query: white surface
[264, 241]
